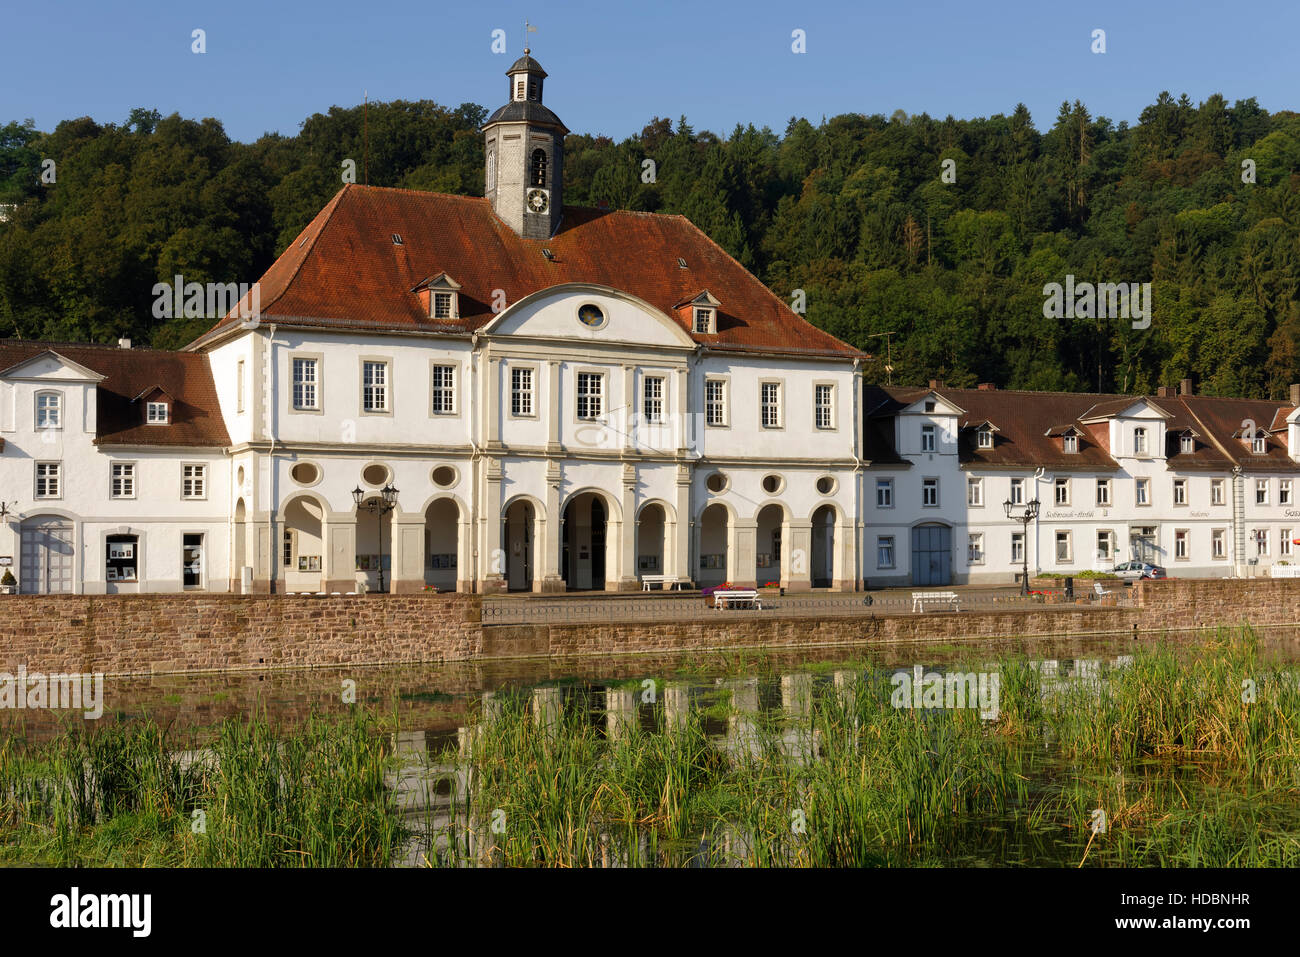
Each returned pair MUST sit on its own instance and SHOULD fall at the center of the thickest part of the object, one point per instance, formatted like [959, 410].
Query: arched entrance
[651, 541]
[46, 558]
[302, 545]
[823, 547]
[714, 532]
[767, 547]
[519, 535]
[374, 544]
[582, 542]
[931, 555]
[442, 544]
[239, 548]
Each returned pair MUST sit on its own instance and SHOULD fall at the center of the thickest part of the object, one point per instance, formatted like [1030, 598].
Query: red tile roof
[345, 272]
[185, 376]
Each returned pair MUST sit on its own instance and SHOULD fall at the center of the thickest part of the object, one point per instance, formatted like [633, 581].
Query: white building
[563, 398]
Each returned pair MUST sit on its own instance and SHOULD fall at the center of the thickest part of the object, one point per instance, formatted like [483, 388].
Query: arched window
[539, 167]
[491, 170]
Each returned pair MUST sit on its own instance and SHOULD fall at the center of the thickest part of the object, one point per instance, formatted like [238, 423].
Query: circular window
[305, 473]
[375, 474]
[716, 482]
[826, 485]
[443, 476]
[591, 315]
[773, 484]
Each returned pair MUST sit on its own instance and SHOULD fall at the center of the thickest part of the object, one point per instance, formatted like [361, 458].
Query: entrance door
[46, 564]
[932, 555]
[519, 547]
[1142, 541]
[192, 561]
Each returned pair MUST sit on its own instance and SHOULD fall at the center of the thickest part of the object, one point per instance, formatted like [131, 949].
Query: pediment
[49, 366]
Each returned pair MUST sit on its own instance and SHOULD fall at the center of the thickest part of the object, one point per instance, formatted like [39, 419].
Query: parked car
[1132, 571]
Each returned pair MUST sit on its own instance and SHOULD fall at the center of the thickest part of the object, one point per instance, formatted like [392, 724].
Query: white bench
[921, 598]
[663, 581]
[733, 597]
[1099, 591]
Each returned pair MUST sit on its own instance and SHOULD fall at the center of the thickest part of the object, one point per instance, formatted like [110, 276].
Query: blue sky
[613, 65]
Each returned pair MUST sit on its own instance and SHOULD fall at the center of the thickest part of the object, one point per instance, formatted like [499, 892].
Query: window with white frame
[824, 406]
[927, 438]
[770, 400]
[194, 481]
[975, 492]
[444, 390]
[1105, 545]
[1017, 491]
[49, 480]
[884, 493]
[703, 322]
[1062, 491]
[984, 438]
[1103, 491]
[930, 492]
[1017, 547]
[652, 398]
[885, 551]
[521, 391]
[1285, 542]
[442, 305]
[591, 395]
[374, 385]
[156, 413]
[1219, 543]
[1180, 544]
[715, 402]
[1139, 441]
[1284, 491]
[1143, 491]
[305, 380]
[1216, 492]
[1259, 443]
[49, 410]
[122, 480]
[1261, 491]
[1186, 444]
[1261, 542]
[1180, 491]
[289, 548]
[975, 549]
[1064, 548]
[1070, 443]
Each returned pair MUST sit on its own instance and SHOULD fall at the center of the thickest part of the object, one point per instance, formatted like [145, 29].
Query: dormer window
[442, 302]
[440, 296]
[1259, 444]
[1186, 444]
[984, 438]
[704, 324]
[49, 410]
[1070, 443]
[157, 413]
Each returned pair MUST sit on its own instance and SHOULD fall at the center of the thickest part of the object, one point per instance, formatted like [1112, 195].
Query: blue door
[932, 555]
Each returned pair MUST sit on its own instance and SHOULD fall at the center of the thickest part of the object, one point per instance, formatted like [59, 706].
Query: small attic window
[157, 413]
[1070, 443]
[1259, 444]
[397, 239]
[705, 321]
[550, 256]
[984, 438]
[929, 407]
[681, 263]
[1186, 444]
[444, 305]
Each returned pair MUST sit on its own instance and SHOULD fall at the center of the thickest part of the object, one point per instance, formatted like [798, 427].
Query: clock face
[538, 201]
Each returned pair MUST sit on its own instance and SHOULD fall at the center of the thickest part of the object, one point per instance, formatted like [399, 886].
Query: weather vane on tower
[528, 28]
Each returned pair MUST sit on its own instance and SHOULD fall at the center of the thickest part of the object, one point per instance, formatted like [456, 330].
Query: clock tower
[524, 156]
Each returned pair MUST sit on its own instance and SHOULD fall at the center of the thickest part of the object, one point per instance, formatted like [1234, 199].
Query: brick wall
[143, 634]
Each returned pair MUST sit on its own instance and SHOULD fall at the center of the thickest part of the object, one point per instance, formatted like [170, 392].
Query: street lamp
[379, 508]
[1030, 513]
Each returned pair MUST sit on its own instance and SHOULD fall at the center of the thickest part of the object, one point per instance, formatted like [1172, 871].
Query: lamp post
[379, 508]
[1028, 515]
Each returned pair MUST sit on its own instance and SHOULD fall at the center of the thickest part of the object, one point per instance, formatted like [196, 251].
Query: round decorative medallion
[591, 315]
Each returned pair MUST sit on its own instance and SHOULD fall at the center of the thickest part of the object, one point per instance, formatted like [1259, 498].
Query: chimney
[987, 387]
[1295, 393]
[936, 383]
[1165, 392]
[124, 343]
[1185, 387]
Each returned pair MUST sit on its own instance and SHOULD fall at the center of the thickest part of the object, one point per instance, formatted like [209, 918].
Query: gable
[554, 314]
[49, 366]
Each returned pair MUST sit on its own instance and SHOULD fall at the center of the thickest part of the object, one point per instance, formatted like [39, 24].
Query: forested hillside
[853, 211]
